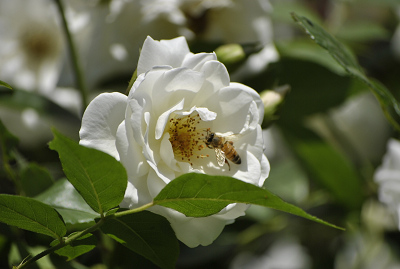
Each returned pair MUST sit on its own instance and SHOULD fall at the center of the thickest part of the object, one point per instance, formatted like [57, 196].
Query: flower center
[39, 43]
[187, 137]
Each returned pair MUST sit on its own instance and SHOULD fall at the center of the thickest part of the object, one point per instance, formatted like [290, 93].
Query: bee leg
[226, 161]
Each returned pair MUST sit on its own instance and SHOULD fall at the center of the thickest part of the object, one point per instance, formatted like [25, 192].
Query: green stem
[134, 210]
[62, 244]
[133, 78]
[81, 85]
[77, 235]
[10, 173]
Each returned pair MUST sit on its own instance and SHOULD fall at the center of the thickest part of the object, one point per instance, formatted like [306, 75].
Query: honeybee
[223, 148]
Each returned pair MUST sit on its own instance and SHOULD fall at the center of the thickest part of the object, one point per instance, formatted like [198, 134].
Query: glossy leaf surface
[98, 177]
[29, 214]
[199, 195]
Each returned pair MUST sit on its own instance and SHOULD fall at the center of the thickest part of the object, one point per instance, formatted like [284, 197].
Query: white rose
[178, 95]
[387, 176]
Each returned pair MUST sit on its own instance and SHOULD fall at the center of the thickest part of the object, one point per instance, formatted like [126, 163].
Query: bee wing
[220, 156]
[229, 136]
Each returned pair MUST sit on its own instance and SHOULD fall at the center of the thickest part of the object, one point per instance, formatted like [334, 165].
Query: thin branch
[134, 210]
[62, 244]
[81, 85]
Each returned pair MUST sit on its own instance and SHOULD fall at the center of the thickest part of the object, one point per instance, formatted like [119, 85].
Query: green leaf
[327, 166]
[64, 198]
[2, 83]
[29, 214]
[309, 82]
[147, 234]
[199, 195]
[308, 51]
[98, 177]
[35, 179]
[376, 3]
[363, 31]
[8, 142]
[78, 247]
[348, 61]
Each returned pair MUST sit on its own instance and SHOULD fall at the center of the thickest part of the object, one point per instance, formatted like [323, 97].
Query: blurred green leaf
[2, 83]
[363, 31]
[63, 197]
[327, 166]
[282, 10]
[308, 51]
[348, 61]
[22, 250]
[147, 234]
[314, 88]
[78, 247]
[29, 214]
[20, 99]
[98, 177]
[199, 195]
[8, 142]
[288, 180]
[35, 179]
[60, 117]
[388, 3]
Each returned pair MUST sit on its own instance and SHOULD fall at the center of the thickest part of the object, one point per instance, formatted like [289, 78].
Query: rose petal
[204, 113]
[158, 177]
[163, 119]
[265, 168]
[176, 84]
[192, 231]
[216, 73]
[180, 79]
[256, 98]
[196, 61]
[130, 152]
[232, 212]
[250, 169]
[130, 197]
[233, 105]
[252, 142]
[101, 120]
[165, 52]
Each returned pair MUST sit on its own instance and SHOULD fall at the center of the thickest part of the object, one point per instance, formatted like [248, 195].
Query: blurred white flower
[110, 34]
[284, 254]
[33, 127]
[158, 131]
[27, 125]
[31, 44]
[387, 176]
[234, 21]
[229, 21]
[366, 251]
[361, 120]
[32, 52]
[358, 127]
[396, 38]
[116, 28]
